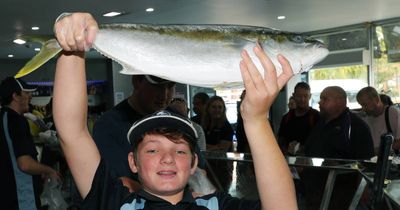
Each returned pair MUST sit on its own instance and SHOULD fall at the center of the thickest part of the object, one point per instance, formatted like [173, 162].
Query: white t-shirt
[378, 127]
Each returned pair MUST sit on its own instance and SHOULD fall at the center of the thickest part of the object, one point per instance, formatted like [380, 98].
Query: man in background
[149, 95]
[20, 170]
[298, 122]
[380, 118]
[339, 134]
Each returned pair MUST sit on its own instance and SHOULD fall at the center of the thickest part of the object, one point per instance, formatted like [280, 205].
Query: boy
[162, 154]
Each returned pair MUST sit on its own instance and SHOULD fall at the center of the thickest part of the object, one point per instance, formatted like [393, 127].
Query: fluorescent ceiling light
[19, 41]
[281, 17]
[37, 49]
[35, 28]
[112, 14]
[150, 9]
[10, 56]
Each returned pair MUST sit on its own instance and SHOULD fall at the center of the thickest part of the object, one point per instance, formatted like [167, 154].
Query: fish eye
[298, 39]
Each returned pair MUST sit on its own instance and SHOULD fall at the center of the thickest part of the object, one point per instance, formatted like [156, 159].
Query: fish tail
[49, 49]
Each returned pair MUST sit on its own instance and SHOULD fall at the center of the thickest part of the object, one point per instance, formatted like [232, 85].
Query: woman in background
[218, 130]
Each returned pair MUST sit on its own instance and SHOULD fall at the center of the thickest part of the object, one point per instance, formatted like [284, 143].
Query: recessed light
[19, 41]
[281, 17]
[150, 9]
[344, 39]
[112, 14]
[10, 56]
[37, 49]
[35, 28]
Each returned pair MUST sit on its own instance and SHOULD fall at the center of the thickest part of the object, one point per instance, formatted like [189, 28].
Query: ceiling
[18, 16]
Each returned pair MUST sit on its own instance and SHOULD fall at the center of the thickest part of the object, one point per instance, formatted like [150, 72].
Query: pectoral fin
[49, 49]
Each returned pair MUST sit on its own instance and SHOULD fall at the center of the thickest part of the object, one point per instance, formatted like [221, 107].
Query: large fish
[200, 55]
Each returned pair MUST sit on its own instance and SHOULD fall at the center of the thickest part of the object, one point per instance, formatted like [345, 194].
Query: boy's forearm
[70, 102]
[274, 181]
[70, 111]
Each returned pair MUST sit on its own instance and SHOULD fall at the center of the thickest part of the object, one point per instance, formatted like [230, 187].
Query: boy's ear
[132, 162]
[194, 165]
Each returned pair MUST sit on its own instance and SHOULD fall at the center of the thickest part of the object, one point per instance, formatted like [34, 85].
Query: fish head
[301, 51]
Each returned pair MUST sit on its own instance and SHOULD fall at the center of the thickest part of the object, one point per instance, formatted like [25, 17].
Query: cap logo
[162, 113]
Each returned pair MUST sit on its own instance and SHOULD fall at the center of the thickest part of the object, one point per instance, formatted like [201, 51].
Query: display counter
[391, 190]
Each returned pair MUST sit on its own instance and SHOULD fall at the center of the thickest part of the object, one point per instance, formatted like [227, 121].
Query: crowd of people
[142, 152]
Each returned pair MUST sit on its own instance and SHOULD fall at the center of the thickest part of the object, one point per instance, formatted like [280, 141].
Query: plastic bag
[52, 196]
[200, 184]
[49, 137]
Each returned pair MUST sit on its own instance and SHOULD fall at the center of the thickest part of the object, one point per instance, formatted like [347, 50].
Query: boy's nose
[167, 158]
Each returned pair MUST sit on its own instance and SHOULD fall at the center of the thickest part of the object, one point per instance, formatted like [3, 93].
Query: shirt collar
[187, 196]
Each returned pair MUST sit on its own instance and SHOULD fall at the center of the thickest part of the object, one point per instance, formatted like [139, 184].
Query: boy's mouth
[166, 173]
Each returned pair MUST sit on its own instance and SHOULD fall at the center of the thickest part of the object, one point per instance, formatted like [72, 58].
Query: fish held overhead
[200, 55]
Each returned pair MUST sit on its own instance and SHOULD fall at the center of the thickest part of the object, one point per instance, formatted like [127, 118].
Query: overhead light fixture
[19, 41]
[112, 14]
[344, 39]
[281, 17]
[37, 49]
[35, 28]
[10, 55]
[150, 9]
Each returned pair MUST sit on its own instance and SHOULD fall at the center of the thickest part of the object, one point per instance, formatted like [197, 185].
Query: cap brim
[147, 124]
[156, 80]
[25, 87]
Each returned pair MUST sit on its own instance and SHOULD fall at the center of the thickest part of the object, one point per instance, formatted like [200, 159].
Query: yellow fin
[49, 49]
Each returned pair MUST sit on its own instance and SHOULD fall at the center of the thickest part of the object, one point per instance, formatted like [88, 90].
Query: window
[346, 65]
[350, 78]
[386, 68]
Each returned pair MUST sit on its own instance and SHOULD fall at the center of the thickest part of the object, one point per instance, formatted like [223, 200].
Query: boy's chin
[165, 191]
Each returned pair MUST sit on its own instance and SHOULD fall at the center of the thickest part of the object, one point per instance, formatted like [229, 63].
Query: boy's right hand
[76, 32]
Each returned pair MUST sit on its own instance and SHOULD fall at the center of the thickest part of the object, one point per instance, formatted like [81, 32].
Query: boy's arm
[75, 33]
[274, 181]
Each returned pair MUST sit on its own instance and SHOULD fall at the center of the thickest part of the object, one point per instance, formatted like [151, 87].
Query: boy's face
[164, 167]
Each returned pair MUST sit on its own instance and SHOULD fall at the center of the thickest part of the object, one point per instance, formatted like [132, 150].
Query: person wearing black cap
[20, 170]
[149, 94]
[162, 144]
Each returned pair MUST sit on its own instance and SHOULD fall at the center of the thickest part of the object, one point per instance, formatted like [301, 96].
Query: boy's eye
[181, 152]
[151, 151]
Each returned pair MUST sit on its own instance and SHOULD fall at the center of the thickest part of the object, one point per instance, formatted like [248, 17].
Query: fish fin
[49, 49]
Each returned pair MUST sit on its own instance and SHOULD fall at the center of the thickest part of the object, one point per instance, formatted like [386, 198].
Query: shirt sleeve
[362, 146]
[106, 192]
[21, 137]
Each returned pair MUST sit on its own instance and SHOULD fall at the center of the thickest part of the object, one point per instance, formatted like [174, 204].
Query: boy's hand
[261, 92]
[76, 32]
